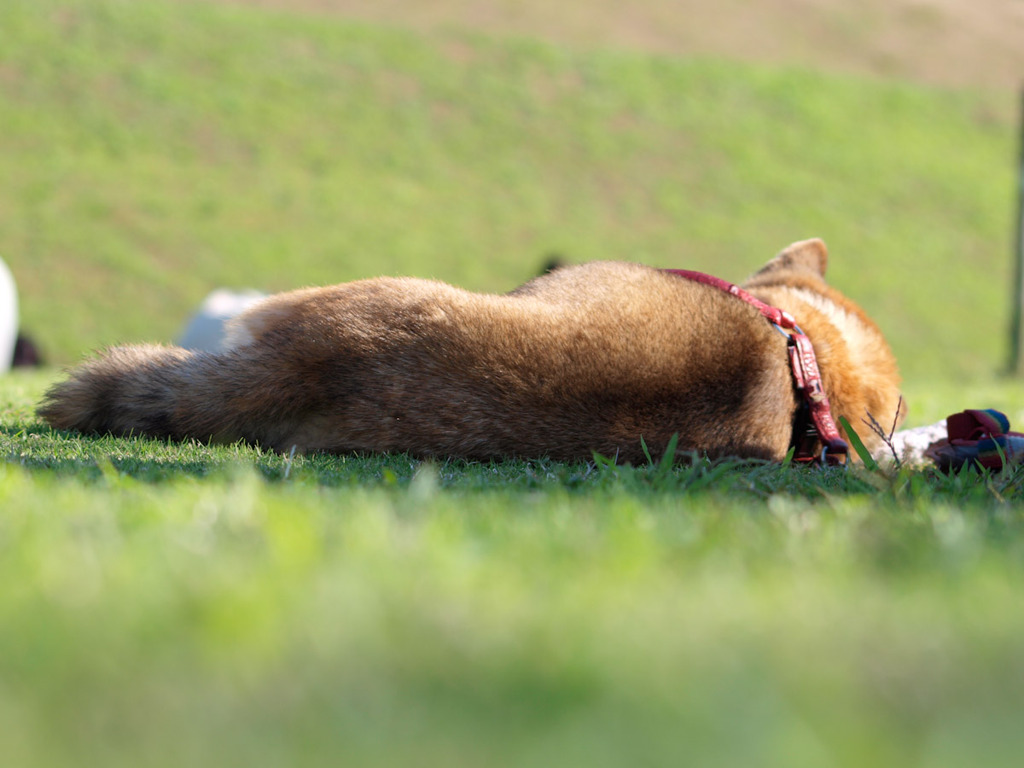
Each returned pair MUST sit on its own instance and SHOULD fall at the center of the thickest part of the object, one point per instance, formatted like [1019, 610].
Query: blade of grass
[858, 445]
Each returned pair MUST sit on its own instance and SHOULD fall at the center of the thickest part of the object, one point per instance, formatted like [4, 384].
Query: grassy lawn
[181, 604]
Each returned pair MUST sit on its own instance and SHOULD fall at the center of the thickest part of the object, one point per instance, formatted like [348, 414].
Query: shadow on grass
[40, 449]
[106, 459]
[44, 451]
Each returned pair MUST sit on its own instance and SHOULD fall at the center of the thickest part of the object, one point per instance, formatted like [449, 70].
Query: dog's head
[858, 367]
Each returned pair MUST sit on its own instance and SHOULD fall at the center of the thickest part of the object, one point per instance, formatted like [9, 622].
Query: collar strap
[821, 429]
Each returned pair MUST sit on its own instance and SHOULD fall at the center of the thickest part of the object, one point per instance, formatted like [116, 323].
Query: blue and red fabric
[980, 438]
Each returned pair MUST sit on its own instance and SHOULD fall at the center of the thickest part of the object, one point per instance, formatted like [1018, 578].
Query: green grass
[180, 604]
[169, 604]
[153, 151]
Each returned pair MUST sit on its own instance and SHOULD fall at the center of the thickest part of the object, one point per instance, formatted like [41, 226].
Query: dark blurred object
[553, 261]
[26, 353]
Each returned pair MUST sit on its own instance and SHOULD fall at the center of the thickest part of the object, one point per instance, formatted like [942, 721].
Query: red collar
[821, 430]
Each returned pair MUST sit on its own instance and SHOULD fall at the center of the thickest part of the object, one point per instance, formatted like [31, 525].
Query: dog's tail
[163, 392]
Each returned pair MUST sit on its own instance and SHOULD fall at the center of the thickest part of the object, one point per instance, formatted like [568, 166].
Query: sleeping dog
[586, 358]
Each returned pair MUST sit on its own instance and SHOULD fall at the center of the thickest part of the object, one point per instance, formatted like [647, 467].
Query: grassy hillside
[972, 43]
[153, 151]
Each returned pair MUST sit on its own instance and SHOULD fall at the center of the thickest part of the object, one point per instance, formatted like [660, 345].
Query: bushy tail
[156, 391]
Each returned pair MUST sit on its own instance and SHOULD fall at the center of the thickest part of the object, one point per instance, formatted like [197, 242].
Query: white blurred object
[8, 317]
[910, 444]
[205, 331]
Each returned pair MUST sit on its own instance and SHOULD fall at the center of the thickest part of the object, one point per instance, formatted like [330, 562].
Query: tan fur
[586, 358]
[857, 367]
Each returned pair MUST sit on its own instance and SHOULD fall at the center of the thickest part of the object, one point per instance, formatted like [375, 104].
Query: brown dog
[586, 358]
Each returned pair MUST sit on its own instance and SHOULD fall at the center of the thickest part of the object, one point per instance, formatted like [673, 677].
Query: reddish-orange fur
[586, 358]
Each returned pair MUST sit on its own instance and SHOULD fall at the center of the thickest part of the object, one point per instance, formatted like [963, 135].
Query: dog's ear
[805, 255]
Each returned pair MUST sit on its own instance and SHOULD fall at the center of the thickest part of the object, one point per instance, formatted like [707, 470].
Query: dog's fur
[585, 358]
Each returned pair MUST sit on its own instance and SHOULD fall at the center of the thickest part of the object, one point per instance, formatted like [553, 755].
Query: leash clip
[824, 459]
